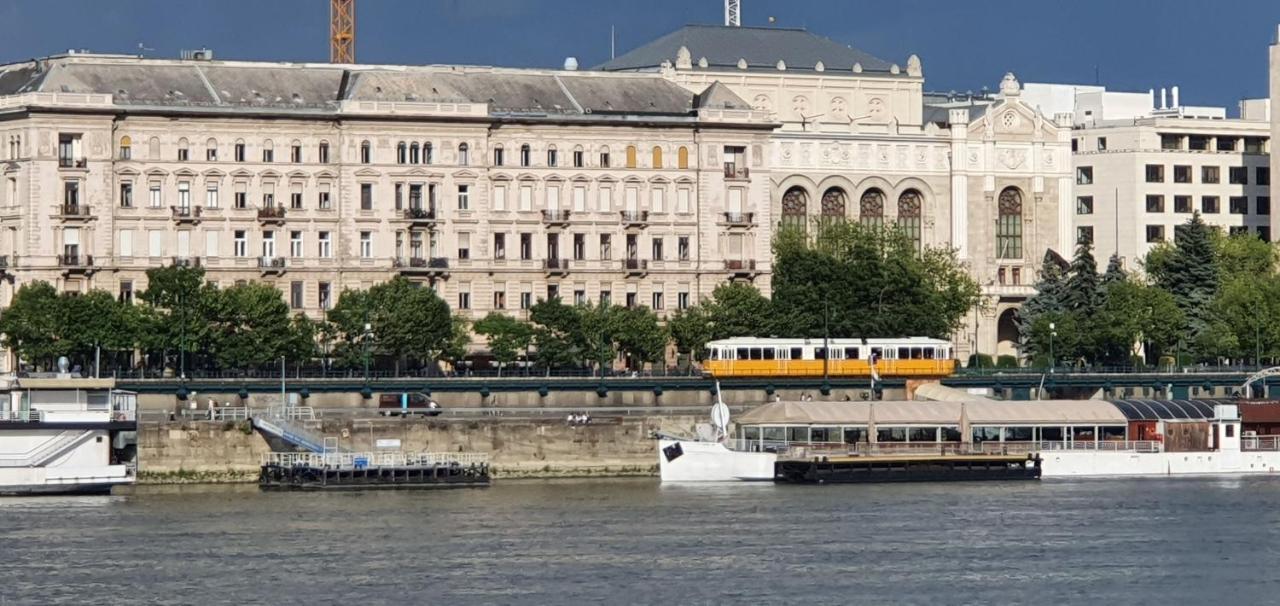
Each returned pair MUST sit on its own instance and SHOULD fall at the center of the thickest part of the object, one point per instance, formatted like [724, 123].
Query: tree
[407, 323]
[179, 301]
[1134, 314]
[507, 337]
[1048, 300]
[455, 349]
[1189, 270]
[1115, 272]
[691, 329]
[1082, 292]
[251, 328]
[558, 337]
[637, 334]
[31, 327]
[738, 309]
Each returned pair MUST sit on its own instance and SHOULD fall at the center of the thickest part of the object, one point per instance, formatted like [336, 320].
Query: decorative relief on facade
[800, 106]
[1013, 159]
[839, 110]
[876, 108]
[762, 103]
[882, 155]
[794, 202]
[1010, 120]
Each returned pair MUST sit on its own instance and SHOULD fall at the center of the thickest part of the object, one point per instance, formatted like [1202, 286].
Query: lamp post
[826, 343]
[364, 339]
[1053, 332]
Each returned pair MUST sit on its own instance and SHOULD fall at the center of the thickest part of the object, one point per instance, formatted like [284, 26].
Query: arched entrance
[1007, 333]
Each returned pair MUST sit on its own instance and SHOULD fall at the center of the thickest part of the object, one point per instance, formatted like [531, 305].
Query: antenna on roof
[733, 13]
[611, 44]
[143, 49]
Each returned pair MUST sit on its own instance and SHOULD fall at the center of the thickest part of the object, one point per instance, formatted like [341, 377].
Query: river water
[1150, 541]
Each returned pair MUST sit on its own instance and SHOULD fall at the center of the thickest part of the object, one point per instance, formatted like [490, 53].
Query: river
[1149, 541]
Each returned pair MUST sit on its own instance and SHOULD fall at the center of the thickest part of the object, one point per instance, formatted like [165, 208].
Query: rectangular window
[326, 293]
[1084, 175]
[155, 243]
[126, 243]
[604, 159]
[579, 247]
[498, 157]
[606, 297]
[126, 195]
[1181, 174]
[1264, 233]
[657, 249]
[399, 196]
[1182, 204]
[184, 154]
[1009, 236]
[211, 195]
[1102, 144]
[579, 199]
[239, 152]
[1155, 233]
[682, 198]
[1155, 173]
[1262, 175]
[656, 199]
[526, 197]
[1084, 205]
[323, 158]
[324, 202]
[1209, 205]
[366, 245]
[295, 244]
[464, 245]
[268, 155]
[682, 300]
[1239, 205]
[499, 299]
[1170, 142]
[1209, 174]
[326, 246]
[526, 300]
[295, 294]
[657, 300]
[1262, 204]
[464, 197]
[156, 200]
[606, 247]
[1238, 175]
[126, 292]
[605, 202]
[241, 243]
[1155, 204]
[579, 297]
[1084, 235]
[366, 196]
[211, 153]
[295, 200]
[499, 197]
[682, 248]
[630, 300]
[499, 246]
[211, 247]
[184, 195]
[526, 246]
[464, 299]
[552, 157]
[578, 158]
[295, 154]
[241, 199]
[269, 244]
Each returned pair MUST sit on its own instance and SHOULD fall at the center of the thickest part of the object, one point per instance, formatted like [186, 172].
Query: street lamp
[1053, 332]
[364, 339]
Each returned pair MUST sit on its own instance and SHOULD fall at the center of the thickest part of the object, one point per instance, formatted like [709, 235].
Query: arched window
[463, 158]
[153, 149]
[579, 157]
[268, 151]
[126, 148]
[657, 157]
[604, 156]
[366, 152]
[1009, 224]
[324, 152]
[833, 204]
[909, 215]
[526, 155]
[401, 153]
[682, 158]
[795, 203]
[184, 150]
[428, 153]
[414, 158]
[871, 208]
[631, 156]
[211, 150]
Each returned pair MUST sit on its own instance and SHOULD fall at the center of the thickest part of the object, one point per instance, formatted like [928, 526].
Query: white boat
[65, 435]
[1089, 438]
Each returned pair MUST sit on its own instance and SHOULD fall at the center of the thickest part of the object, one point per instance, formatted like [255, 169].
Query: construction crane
[342, 31]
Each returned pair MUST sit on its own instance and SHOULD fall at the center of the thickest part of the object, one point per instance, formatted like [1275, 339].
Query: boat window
[1117, 432]
[922, 434]
[743, 354]
[824, 434]
[751, 433]
[819, 353]
[851, 353]
[797, 353]
[1050, 434]
[1083, 434]
[1018, 434]
[855, 435]
[773, 434]
[798, 434]
[950, 434]
[768, 353]
[986, 434]
[891, 434]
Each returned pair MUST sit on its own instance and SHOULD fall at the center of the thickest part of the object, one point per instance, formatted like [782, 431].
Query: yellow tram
[759, 357]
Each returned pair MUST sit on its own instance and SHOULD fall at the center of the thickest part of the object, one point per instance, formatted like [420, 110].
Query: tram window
[877, 352]
[928, 353]
[797, 353]
[923, 434]
[819, 353]
[1017, 434]
[891, 434]
[1050, 434]
[851, 353]
[768, 353]
[904, 353]
[742, 354]
[950, 434]
[709, 354]
[756, 353]
[855, 435]
[836, 354]
[986, 434]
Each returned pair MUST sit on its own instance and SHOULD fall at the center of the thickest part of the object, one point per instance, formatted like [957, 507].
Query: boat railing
[803, 450]
[20, 416]
[360, 460]
[1260, 443]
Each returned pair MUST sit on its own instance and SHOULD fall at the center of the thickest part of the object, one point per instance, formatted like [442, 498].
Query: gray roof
[762, 47]
[320, 87]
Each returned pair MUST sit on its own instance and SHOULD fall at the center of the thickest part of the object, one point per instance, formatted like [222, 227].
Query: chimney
[1152, 92]
[1164, 98]
[571, 64]
[1175, 97]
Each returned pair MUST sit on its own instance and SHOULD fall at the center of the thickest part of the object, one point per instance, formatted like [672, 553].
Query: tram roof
[942, 413]
[748, 341]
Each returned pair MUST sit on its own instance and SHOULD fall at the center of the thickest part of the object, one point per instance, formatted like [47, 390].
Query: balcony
[740, 267]
[5, 269]
[186, 214]
[75, 211]
[68, 162]
[434, 266]
[556, 266]
[635, 218]
[635, 267]
[420, 216]
[271, 214]
[76, 263]
[555, 218]
[740, 219]
[732, 170]
[271, 265]
[189, 261]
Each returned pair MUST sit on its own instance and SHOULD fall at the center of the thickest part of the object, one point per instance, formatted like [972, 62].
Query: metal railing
[555, 265]
[1069, 369]
[555, 216]
[69, 162]
[186, 261]
[75, 260]
[354, 460]
[803, 450]
[271, 213]
[739, 218]
[1260, 443]
[598, 413]
[20, 416]
[186, 212]
[733, 171]
[740, 265]
[420, 214]
[75, 210]
[271, 262]
[635, 265]
[635, 216]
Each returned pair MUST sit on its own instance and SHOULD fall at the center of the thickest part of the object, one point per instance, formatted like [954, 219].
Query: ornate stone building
[860, 140]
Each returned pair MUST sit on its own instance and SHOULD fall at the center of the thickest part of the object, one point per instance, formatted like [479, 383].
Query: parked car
[406, 404]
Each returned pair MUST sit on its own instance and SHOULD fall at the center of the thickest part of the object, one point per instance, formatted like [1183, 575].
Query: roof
[1164, 410]
[975, 411]
[761, 47]
[938, 392]
[64, 383]
[1043, 412]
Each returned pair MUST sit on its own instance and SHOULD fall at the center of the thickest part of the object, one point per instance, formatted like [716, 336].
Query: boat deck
[907, 468]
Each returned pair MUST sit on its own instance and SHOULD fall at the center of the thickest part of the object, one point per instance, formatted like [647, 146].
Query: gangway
[285, 424]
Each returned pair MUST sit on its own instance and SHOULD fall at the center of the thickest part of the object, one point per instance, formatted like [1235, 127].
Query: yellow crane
[342, 31]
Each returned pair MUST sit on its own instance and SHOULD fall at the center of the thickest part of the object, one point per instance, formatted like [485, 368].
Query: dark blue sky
[1216, 50]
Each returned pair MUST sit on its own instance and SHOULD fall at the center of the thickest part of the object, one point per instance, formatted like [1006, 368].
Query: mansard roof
[761, 47]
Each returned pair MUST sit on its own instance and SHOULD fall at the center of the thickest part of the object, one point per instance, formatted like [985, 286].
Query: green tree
[638, 335]
[30, 325]
[690, 330]
[407, 323]
[1049, 300]
[1115, 272]
[559, 336]
[252, 328]
[1134, 314]
[508, 337]
[179, 303]
[737, 309]
[1189, 270]
[1082, 291]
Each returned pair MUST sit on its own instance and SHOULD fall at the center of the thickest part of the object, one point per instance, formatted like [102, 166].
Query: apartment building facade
[1137, 180]
[495, 187]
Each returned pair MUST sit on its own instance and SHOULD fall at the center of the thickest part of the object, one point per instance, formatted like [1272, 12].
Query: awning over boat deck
[808, 413]
[978, 411]
[1043, 412]
[938, 392]
[1163, 410]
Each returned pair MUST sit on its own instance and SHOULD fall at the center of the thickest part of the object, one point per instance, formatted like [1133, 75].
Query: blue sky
[1216, 50]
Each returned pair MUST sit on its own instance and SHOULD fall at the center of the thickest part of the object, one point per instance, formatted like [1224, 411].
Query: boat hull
[1068, 464]
[695, 461]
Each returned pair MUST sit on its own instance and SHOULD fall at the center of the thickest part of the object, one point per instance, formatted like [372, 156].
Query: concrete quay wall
[216, 452]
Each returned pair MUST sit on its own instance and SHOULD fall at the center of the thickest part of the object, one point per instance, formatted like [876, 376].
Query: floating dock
[907, 468]
[368, 471]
